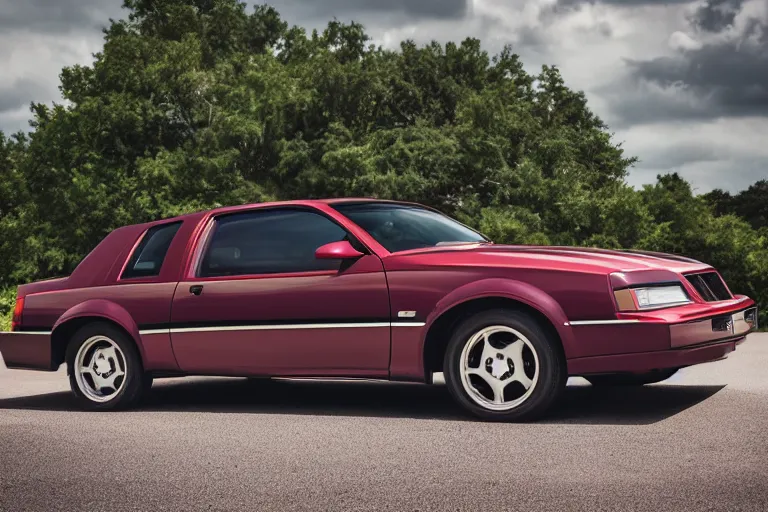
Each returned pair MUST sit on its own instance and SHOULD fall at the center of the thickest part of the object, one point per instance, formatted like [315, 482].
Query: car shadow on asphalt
[581, 404]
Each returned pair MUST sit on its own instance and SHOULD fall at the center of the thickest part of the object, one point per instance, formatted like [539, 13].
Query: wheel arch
[486, 295]
[91, 311]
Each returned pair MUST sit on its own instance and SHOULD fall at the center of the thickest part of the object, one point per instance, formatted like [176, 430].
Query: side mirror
[337, 251]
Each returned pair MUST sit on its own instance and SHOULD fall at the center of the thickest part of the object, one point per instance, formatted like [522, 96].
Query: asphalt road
[696, 442]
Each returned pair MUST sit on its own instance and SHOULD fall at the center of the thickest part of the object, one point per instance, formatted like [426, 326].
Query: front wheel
[105, 370]
[631, 379]
[503, 365]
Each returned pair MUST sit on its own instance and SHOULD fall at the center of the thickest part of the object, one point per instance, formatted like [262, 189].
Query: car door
[259, 302]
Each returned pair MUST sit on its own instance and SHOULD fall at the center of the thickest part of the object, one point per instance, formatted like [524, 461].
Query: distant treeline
[751, 204]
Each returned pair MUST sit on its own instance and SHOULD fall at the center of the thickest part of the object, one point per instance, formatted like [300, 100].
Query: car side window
[148, 257]
[269, 242]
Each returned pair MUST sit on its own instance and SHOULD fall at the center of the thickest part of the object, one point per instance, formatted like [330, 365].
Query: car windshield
[401, 227]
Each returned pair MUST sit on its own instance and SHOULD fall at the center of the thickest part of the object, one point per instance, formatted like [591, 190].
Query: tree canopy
[750, 204]
[193, 104]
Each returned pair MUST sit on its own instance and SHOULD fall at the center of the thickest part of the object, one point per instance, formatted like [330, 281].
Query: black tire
[630, 379]
[135, 382]
[148, 380]
[552, 369]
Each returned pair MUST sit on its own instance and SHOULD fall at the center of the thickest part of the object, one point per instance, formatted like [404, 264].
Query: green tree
[750, 204]
[194, 104]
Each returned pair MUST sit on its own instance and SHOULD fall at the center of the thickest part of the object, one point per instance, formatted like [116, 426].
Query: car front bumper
[713, 329]
[641, 346]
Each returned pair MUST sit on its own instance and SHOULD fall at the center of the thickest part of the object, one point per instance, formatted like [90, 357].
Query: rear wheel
[105, 370]
[502, 365]
[631, 379]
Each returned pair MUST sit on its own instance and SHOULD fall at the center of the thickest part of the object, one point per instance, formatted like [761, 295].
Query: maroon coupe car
[370, 289]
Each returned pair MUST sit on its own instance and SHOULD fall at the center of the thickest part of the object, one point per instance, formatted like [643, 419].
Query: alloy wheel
[499, 368]
[100, 369]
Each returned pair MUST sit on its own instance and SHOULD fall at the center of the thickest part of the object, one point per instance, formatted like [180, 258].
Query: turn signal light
[16, 319]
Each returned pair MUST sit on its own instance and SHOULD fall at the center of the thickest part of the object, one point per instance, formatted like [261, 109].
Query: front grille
[710, 286]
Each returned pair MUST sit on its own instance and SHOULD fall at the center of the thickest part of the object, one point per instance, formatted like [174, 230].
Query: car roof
[355, 200]
[247, 206]
[302, 202]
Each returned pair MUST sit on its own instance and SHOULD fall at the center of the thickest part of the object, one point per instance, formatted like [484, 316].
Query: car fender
[106, 309]
[509, 289]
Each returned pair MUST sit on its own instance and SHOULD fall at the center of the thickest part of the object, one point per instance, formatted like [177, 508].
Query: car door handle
[196, 289]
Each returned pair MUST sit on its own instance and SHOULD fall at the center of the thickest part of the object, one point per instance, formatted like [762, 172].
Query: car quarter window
[269, 242]
[148, 257]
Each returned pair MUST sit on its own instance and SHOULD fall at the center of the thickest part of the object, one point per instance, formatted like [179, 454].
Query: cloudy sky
[682, 83]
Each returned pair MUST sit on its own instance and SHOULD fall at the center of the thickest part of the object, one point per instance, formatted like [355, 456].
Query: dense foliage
[750, 204]
[197, 103]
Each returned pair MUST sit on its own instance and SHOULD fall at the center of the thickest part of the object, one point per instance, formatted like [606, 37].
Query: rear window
[147, 259]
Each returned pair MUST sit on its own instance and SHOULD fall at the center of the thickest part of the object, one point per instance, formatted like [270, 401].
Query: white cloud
[682, 41]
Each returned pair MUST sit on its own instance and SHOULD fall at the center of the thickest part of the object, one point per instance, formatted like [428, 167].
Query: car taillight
[16, 319]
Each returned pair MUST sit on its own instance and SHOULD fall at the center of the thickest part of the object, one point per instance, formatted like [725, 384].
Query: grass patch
[7, 301]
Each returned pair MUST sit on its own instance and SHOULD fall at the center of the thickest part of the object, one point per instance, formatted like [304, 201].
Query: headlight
[651, 297]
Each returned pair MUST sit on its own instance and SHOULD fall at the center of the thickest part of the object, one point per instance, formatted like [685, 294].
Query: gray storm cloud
[726, 69]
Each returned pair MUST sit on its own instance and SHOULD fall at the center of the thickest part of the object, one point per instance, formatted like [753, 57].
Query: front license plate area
[723, 324]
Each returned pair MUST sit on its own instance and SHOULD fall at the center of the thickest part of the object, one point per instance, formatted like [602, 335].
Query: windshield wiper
[443, 244]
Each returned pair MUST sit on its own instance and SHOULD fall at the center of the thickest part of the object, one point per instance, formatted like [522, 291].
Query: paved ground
[697, 442]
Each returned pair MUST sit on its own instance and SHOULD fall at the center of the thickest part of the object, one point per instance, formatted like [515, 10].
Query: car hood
[552, 257]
